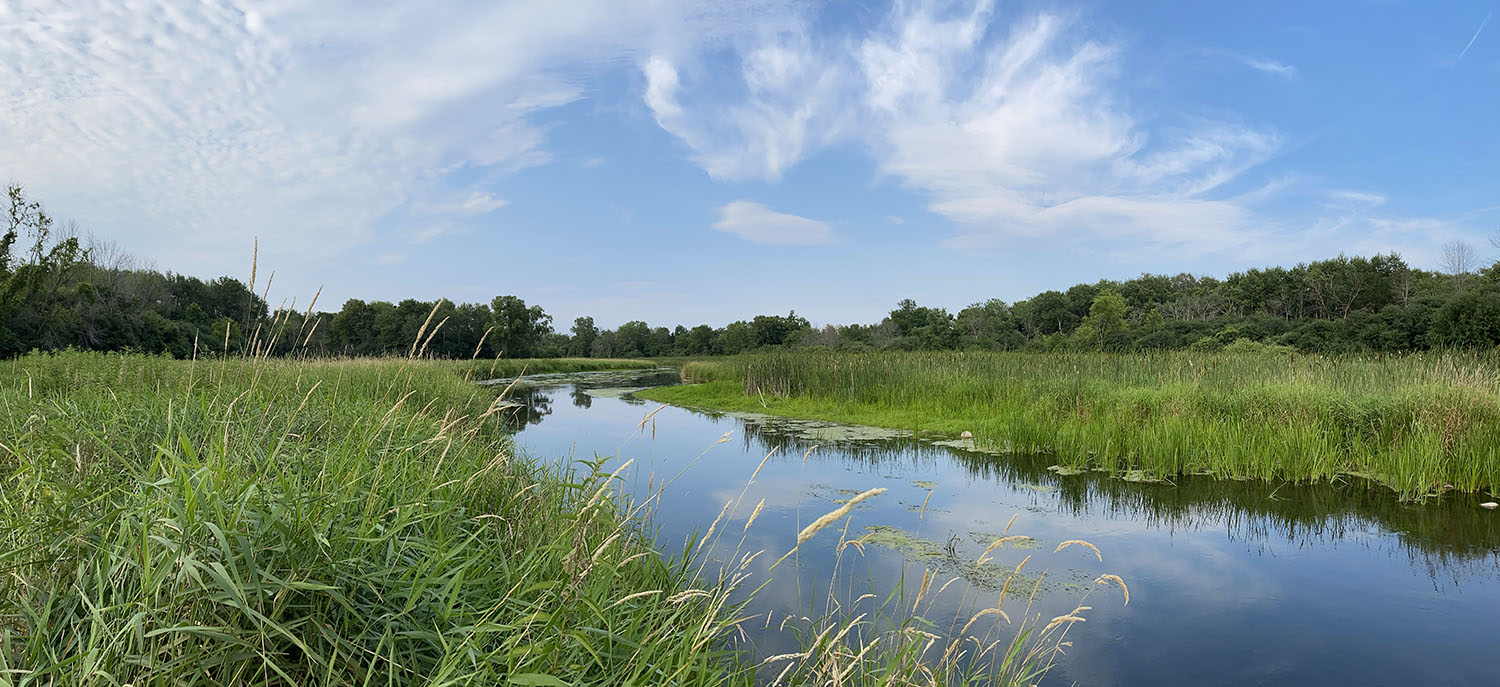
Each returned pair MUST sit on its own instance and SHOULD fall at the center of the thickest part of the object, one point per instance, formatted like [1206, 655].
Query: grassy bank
[361, 522]
[1419, 424]
[479, 370]
[170, 522]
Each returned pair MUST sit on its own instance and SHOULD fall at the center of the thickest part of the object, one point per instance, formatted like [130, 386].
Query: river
[1231, 583]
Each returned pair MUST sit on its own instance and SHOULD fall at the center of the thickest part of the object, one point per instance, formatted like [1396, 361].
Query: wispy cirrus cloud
[182, 128]
[1008, 130]
[792, 104]
[759, 224]
[1259, 64]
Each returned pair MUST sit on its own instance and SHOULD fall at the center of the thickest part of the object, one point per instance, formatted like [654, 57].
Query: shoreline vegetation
[259, 521]
[60, 292]
[479, 370]
[1420, 424]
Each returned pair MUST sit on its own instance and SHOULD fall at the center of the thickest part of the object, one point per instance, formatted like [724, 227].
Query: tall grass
[500, 368]
[358, 522]
[1420, 424]
[278, 523]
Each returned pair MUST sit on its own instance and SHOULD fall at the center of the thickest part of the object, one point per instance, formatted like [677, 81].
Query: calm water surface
[1234, 583]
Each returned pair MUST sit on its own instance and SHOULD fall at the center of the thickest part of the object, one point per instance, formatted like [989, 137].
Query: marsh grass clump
[259, 522]
[480, 369]
[1420, 424]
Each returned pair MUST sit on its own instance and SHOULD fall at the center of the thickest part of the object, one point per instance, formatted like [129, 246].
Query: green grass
[480, 370]
[364, 522]
[347, 523]
[1419, 424]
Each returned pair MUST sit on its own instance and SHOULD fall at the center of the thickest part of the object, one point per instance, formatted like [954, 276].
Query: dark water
[1231, 582]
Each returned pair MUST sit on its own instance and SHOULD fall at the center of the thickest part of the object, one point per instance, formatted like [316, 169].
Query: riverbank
[479, 370]
[319, 523]
[1420, 424]
[272, 522]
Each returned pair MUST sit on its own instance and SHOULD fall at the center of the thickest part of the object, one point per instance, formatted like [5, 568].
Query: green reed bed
[499, 368]
[363, 522]
[276, 523]
[1420, 424]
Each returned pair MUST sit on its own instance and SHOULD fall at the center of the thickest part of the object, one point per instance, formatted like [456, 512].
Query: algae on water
[948, 559]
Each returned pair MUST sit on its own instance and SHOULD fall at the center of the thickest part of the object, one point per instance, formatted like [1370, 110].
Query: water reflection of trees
[1450, 537]
[529, 407]
[532, 398]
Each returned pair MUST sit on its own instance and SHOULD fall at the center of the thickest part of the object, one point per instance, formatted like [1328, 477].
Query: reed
[257, 521]
[1420, 424]
[291, 523]
[480, 369]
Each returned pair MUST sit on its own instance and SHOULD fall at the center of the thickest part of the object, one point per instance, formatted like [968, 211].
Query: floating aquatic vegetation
[949, 559]
[1141, 476]
[986, 538]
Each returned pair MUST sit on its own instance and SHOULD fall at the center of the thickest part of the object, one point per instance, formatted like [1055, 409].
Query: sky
[689, 162]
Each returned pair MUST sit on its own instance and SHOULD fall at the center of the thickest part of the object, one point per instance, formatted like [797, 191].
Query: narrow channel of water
[1232, 583]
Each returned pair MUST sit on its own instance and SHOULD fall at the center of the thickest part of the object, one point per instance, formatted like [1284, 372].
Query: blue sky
[704, 162]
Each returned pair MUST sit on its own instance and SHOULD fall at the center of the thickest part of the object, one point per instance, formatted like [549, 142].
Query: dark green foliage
[56, 295]
[1470, 320]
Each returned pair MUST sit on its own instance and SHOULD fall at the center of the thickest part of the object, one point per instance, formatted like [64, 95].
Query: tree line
[56, 292]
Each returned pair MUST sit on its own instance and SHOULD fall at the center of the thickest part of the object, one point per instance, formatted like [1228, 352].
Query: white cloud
[791, 105]
[1271, 67]
[430, 232]
[1366, 198]
[1008, 132]
[760, 224]
[478, 203]
[1034, 143]
[182, 128]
